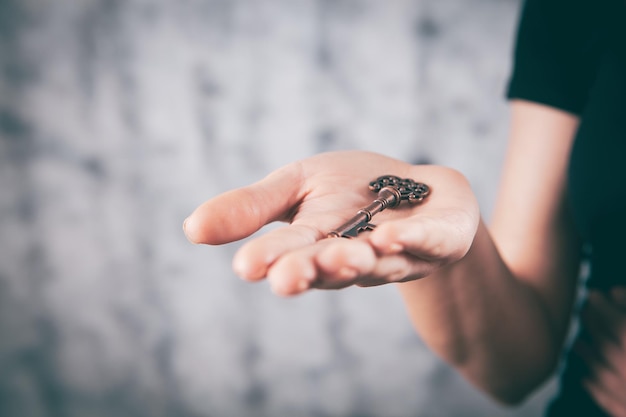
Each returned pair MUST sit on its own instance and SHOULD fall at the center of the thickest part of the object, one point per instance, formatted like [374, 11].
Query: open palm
[318, 194]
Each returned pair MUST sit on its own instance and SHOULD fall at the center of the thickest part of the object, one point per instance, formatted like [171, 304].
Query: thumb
[238, 213]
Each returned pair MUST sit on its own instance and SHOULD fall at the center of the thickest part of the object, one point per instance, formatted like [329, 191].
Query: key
[391, 191]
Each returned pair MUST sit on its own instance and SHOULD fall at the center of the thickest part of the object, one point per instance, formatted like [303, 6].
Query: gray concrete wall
[117, 118]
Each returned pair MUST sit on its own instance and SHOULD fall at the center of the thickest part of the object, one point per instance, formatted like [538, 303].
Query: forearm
[494, 328]
[501, 313]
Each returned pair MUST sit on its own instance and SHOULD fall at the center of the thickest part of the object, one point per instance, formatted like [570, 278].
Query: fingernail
[185, 230]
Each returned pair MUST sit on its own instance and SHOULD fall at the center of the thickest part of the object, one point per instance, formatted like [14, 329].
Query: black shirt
[571, 55]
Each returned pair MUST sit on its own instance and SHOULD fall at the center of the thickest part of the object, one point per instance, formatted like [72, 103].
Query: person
[496, 300]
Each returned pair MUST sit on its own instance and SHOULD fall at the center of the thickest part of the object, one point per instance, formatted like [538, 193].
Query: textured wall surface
[118, 117]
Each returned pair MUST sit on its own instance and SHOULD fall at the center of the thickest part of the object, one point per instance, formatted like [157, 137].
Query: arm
[495, 304]
[500, 314]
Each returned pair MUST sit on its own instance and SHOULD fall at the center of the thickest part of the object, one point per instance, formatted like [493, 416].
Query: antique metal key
[391, 191]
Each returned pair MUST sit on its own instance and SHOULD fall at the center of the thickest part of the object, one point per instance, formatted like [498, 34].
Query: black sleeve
[554, 54]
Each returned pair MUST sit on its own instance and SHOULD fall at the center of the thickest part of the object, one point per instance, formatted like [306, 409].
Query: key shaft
[391, 191]
[387, 197]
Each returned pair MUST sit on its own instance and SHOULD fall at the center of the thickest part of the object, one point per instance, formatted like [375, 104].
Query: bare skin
[479, 296]
[604, 351]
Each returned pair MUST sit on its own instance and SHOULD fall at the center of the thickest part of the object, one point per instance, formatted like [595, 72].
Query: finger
[445, 237]
[606, 379]
[299, 269]
[595, 363]
[612, 402]
[340, 263]
[603, 319]
[343, 260]
[397, 268]
[601, 333]
[600, 378]
[239, 213]
[292, 275]
[348, 262]
[252, 261]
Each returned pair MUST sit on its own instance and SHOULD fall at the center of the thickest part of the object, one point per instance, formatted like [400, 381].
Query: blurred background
[119, 117]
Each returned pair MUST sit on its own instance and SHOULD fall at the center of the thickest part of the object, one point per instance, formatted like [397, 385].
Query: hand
[604, 351]
[318, 194]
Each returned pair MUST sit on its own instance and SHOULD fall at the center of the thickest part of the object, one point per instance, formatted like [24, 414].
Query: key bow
[409, 190]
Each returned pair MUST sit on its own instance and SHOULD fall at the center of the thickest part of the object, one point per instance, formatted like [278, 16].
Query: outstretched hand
[318, 194]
